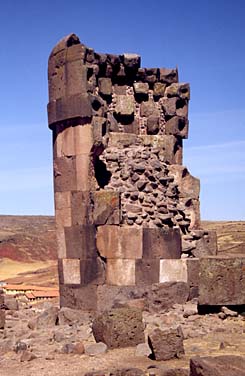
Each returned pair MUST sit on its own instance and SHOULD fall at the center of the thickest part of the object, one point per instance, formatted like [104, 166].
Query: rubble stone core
[124, 203]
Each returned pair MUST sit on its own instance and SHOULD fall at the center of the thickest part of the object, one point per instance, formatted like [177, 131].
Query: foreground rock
[227, 365]
[119, 327]
[222, 281]
[2, 319]
[166, 344]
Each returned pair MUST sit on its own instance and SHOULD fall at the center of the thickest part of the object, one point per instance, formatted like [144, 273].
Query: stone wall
[123, 201]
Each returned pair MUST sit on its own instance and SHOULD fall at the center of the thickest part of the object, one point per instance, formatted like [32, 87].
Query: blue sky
[206, 41]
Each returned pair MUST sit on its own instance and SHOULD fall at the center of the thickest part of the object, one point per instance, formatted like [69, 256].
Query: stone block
[61, 243]
[64, 174]
[193, 268]
[117, 328]
[159, 89]
[161, 243]
[120, 272]
[81, 208]
[56, 83]
[169, 106]
[147, 271]
[80, 242]
[62, 200]
[173, 271]
[188, 185]
[149, 108]
[166, 344]
[152, 124]
[119, 242]
[65, 108]
[222, 281]
[181, 90]
[92, 271]
[83, 136]
[106, 207]
[109, 296]
[224, 365]
[141, 88]
[167, 145]
[83, 173]
[63, 217]
[81, 297]
[71, 271]
[121, 139]
[131, 61]
[124, 105]
[168, 76]
[65, 143]
[105, 86]
[75, 52]
[76, 77]
[162, 296]
[99, 129]
[177, 126]
[206, 245]
[2, 319]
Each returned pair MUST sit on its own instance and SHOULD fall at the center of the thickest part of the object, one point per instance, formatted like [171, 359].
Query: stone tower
[127, 210]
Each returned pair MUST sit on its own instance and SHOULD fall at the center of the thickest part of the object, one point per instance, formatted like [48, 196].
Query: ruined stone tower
[127, 211]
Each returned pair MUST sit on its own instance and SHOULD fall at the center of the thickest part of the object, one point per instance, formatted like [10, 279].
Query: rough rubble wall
[124, 203]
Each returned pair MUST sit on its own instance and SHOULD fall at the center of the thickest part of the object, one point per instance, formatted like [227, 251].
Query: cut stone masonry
[127, 210]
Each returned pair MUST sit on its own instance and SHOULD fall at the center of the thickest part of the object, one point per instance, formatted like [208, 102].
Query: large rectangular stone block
[119, 242]
[206, 245]
[83, 172]
[173, 271]
[74, 106]
[161, 243]
[80, 242]
[80, 297]
[120, 272]
[147, 271]
[61, 243]
[92, 271]
[64, 174]
[193, 268]
[81, 210]
[83, 136]
[76, 77]
[106, 207]
[71, 271]
[65, 142]
[222, 280]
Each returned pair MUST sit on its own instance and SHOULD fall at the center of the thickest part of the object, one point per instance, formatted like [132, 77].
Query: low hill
[28, 247]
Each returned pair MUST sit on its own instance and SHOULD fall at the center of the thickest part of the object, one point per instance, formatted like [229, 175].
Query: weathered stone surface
[147, 271]
[131, 61]
[96, 349]
[106, 207]
[177, 126]
[120, 327]
[141, 88]
[222, 281]
[162, 296]
[116, 242]
[168, 76]
[2, 319]
[225, 365]
[71, 271]
[166, 344]
[81, 297]
[124, 105]
[80, 242]
[173, 270]
[206, 245]
[120, 272]
[142, 349]
[161, 243]
[64, 174]
[159, 89]
[105, 86]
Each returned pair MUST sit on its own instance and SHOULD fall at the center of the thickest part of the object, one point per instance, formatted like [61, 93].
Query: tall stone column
[124, 204]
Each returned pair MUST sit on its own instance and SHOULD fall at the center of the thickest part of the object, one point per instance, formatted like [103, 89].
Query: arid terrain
[44, 340]
[28, 247]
